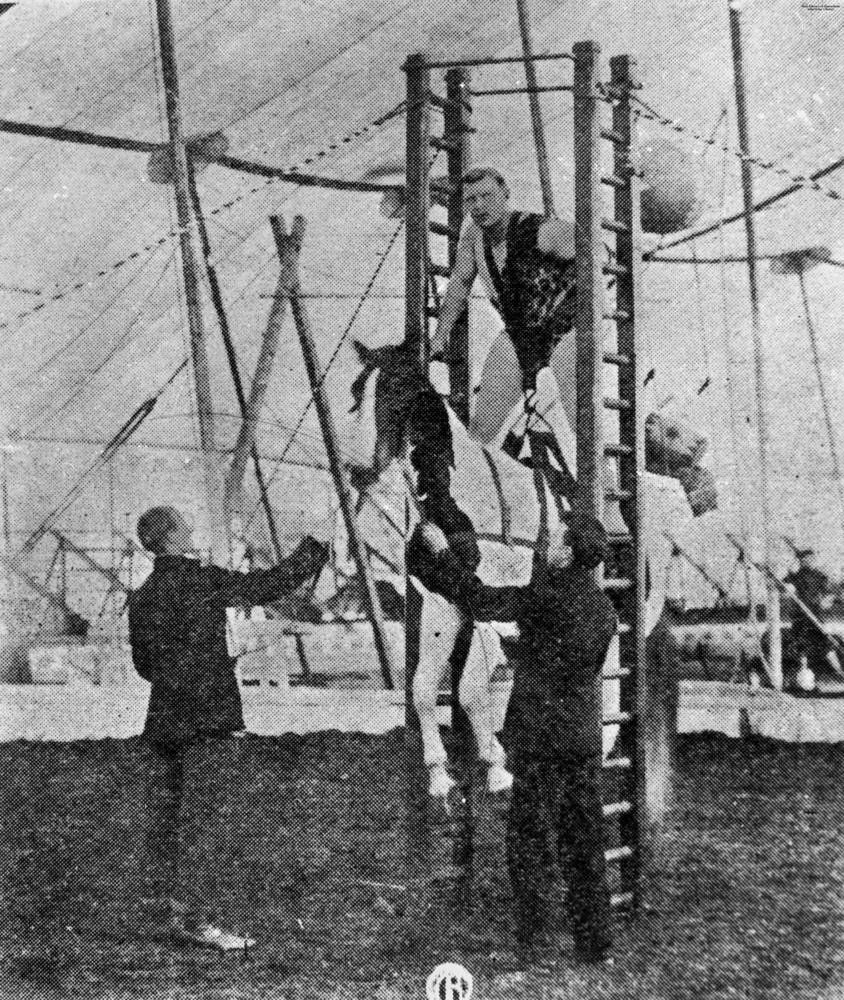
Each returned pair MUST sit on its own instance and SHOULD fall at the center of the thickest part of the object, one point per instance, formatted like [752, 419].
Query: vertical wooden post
[234, 478]
[456, 118]
[590, 285]
[418, 206]
[773, 600]
[202, 378]
[640, 742]
[288, 250]
[532, 83]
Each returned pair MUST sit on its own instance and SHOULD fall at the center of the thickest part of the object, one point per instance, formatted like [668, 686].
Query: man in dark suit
[553, 726]
[177, 629]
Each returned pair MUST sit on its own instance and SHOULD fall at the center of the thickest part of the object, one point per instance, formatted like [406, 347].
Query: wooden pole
[418, 206]
[181, 187]
[758, 350]
[590, 286]
[532, 84]
[456, 119]
[233, 483]
[288, 251]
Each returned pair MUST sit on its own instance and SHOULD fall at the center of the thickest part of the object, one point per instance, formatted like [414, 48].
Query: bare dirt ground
[284, 835]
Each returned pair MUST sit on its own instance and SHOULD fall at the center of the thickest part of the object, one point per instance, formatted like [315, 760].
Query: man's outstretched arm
[261, 586]
[456, 294]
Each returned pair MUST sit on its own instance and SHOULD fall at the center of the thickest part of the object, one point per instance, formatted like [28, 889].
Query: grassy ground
[282, 837]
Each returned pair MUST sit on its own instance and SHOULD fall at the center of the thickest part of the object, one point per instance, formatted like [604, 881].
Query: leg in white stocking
[476, 699]
[441, 623]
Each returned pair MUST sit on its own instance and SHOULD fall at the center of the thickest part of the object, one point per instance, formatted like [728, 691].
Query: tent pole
[249, 411]
[190, 276]
[288, 252]
[535, 110]
[773, 601]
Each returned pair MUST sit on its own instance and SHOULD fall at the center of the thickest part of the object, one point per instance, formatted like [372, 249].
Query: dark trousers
[556, 815]
[165, 781]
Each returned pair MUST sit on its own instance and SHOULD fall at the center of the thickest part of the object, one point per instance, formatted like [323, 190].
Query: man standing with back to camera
[553, 727]
[177, 629]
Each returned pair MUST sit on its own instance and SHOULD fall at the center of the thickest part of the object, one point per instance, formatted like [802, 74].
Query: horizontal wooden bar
[618, 269]
[62, 134]
[616, 718]
[449, 145]
[611, 136]
[614, 854]
[617, 495]
[442, 230]
[619, 315]
[614, 227]
[617, 583]
[518, 90]
[613, 403]
[496, 61]
[617, 763]
[611, 358]
[616, 450]
[619, 538]
[441, 269]
[620, 899]
[617, 808]
[612, 181]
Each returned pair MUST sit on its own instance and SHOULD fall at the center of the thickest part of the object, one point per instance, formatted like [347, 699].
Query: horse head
[407, 412]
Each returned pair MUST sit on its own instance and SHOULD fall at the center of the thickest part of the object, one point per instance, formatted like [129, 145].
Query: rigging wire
[334, 355]
[816, 359]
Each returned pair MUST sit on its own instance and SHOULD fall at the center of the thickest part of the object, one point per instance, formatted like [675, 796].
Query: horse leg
[440, 625]
[476, 699]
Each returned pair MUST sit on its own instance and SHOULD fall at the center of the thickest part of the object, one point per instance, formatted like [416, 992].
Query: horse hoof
[498, 779]
[441, 783]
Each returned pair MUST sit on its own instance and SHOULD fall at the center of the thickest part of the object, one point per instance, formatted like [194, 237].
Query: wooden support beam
[288, 251]
[590, 285]
[418, 205]
[539, 143]
[184, 216]
[232, 489]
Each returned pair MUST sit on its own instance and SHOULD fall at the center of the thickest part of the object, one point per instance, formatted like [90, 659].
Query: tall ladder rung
[617, 808]
[617, 764]
[621, 270]
[611, 358]
[614, 227]
[441, 269]
[617, 495]
[617, 450]
[617, 718]
[612, 181]
[617, 583]
[613, 403]
[442, 230]
[620, 899]
[614, 854]
[619, 315]
[447, 102]
[611, 136]
[449, 145]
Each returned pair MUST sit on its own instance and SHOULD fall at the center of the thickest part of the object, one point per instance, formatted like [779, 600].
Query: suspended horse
[415, 439]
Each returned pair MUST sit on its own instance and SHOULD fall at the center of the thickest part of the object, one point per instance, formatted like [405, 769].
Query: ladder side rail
[418, 209]
[635, 737]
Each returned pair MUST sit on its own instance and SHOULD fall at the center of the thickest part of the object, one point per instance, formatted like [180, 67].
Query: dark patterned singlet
[537, 294]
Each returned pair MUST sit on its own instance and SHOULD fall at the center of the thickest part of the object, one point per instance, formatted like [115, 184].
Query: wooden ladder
[423, 294]
[611, 427]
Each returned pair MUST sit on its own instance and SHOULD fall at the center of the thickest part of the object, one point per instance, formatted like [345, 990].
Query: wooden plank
[418, 204]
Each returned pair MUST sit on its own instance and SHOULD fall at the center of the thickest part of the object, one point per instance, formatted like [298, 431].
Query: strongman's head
[487, 196]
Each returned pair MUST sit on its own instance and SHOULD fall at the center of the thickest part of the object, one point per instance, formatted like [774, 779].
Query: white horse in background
[499, 495]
